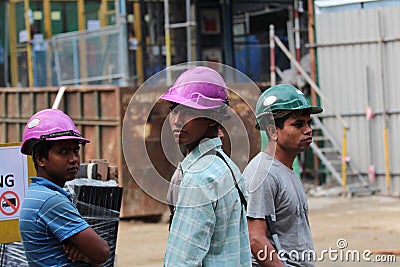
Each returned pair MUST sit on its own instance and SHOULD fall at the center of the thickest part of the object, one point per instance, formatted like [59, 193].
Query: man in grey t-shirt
[277, 205]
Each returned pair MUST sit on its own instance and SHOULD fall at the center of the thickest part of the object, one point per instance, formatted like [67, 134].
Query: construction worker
[52, 230]
[209, 225]
[277, 208]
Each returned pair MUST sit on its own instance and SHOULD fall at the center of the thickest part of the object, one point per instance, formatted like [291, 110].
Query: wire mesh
[98, 205]
[92, 57]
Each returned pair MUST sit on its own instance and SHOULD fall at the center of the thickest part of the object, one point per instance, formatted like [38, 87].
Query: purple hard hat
[49, 124]
[200, 88]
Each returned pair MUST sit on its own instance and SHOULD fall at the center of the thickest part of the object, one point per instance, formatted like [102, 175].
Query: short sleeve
[261, 188]
[62, 217]
[192, 225]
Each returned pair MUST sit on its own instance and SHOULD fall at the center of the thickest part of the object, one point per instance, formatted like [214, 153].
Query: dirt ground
[343, 227]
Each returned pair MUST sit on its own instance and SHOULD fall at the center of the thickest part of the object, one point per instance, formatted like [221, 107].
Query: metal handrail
[275, 39]
[307, 77]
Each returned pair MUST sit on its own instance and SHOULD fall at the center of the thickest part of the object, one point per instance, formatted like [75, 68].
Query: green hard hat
[279, 99]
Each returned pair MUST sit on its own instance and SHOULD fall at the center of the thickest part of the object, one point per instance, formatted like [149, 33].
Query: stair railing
[275, 39]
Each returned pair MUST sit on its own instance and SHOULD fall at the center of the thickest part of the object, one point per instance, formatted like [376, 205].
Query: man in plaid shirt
[209, 225]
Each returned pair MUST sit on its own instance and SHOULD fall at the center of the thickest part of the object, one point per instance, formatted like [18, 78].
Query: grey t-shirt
[277, 191]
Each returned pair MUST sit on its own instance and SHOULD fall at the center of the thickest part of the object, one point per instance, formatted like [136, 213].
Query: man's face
[63, 162]
[295, 136]
[188, 125]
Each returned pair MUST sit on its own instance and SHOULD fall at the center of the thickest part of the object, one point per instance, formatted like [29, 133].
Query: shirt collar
[205, 146]
[50, 185]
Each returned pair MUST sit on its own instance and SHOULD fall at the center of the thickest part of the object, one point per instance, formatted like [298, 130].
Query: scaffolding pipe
[313, 72]
[385, 114]
[188, 32]
[121, 20]
[47, 35]
[344, 162]
[47, 19]
[82, 64]
[354, 43]
[297, 36]
[6, 44]
[59, 97]
[28, 44]
[12, 35]
[103, 13]
[371, 167]
[272, 54]
[167, 41]
[139, 50]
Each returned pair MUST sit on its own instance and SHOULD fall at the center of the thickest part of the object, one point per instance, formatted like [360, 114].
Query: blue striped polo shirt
[48, 217]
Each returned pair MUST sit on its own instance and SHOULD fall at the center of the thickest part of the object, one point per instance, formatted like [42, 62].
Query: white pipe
[272, 54]
[188, 32]
[59, 97]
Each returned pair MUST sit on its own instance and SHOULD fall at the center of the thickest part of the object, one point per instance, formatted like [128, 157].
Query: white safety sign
[13, 181]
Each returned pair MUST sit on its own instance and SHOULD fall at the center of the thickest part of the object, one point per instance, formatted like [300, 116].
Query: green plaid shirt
[209, 227]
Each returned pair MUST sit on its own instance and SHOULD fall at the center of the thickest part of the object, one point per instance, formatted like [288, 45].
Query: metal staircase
[330, 153]
[325, 146]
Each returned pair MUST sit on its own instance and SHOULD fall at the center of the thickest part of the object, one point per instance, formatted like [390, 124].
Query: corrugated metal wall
[358, 66]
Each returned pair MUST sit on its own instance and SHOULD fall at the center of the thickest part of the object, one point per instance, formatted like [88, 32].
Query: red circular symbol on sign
[9, 200]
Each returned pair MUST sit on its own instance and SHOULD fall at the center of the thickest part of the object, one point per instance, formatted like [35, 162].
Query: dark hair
[279, 122]
[212, 114]
[41, 150]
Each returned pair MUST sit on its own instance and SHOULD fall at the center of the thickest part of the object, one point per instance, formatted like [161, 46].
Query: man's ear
[271, 130]
[212, 123]
[40, 160]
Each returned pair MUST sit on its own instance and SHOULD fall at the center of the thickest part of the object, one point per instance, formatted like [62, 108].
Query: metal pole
[117, 11]
[188, 32]
[227, 32]
[6, 37]
[167, 41]
[272, 54]
[47, 19]
[57, 60]
[385, 114]
[28, 45]
[47, 36]
[82, 62]
[12, 35]
[123, 42]
[103, 13]
[297, 37]
[344, 162]
[311, 38]
[59, 96]
[371, 167]
[81, 15]
[139, 50]
[75, 60]
[313, 72]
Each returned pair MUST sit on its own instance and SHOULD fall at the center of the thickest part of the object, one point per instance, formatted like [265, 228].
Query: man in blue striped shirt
[209, 225]
[52, 230]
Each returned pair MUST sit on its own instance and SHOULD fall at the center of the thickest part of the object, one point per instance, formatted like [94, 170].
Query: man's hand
[74, 254]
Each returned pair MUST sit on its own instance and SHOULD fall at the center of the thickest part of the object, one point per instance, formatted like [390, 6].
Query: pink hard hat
[49, 124]
[200, 88]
